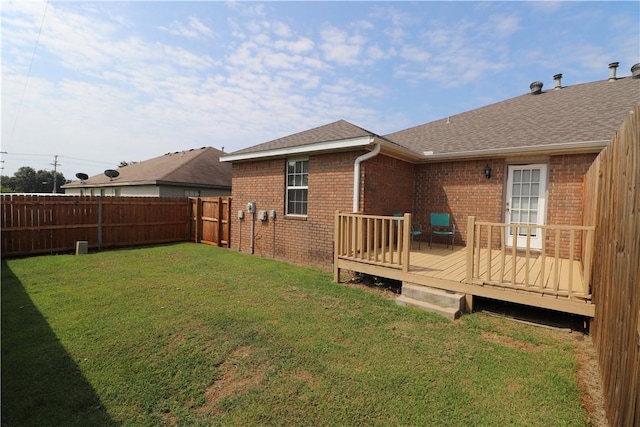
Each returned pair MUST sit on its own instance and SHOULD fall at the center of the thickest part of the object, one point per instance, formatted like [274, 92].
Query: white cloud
[415, 54]
[340, 47]
[194, 29]
[300, 45]
[500, 26]
[281, 29]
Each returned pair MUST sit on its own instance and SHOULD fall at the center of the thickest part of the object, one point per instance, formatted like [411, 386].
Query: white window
[297, 186]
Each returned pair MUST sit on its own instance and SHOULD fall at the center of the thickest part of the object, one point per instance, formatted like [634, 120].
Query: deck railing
[373, 239]
[562, 266]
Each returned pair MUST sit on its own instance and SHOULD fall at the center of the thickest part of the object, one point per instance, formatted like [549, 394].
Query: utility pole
[55, 173]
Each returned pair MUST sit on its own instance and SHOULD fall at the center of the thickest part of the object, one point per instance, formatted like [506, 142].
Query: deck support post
[468, 302]
[336, 246]
[471, 221]
[406, 241]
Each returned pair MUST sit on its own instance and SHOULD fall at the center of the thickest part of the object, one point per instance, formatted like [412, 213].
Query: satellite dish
[111, 173]
[82, 176]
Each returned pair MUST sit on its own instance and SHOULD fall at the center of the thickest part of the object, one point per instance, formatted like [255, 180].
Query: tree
[27, 180]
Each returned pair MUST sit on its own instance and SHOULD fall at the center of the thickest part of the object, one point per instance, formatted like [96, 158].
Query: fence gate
[210, 220]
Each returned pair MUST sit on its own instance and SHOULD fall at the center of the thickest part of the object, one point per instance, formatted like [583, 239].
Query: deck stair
[446, 303]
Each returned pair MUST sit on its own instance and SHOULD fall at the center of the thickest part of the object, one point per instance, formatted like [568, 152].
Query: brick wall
[461, 189]
[565, 192]
[305, 241]
[387, 186]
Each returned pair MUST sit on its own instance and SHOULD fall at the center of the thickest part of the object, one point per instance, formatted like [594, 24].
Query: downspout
[356, 175]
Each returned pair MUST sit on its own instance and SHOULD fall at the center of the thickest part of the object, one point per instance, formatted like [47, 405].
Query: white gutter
[356, 175]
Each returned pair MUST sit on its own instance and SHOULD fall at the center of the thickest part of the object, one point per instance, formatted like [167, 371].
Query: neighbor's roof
[583, 114]
[577, 118]
[200, 167]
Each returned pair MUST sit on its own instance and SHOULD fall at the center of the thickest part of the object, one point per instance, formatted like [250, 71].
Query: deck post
[468, 302]
[406, 240]
[471, 220]
[336, 246]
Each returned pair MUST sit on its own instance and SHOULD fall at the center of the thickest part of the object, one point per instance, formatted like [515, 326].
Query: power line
[26, 82]
[57, 155]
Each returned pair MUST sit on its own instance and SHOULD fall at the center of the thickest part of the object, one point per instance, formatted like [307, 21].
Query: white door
[525, 204]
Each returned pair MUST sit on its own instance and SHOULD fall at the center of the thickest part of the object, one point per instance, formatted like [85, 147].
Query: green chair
[441, 226]
[416, 228]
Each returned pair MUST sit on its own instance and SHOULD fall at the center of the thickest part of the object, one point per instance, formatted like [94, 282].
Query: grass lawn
[189, 334]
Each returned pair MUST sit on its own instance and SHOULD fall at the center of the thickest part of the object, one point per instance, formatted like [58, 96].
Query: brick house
[521, 160]
[190, 173]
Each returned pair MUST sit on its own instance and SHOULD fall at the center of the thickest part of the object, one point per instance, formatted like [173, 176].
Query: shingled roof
[336, 131]
[582, 113]
[574, 118]
[199, 167]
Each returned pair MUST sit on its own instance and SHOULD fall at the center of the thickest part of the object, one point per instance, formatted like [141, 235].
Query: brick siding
[305, 241]
[461, 189]
[388, 185]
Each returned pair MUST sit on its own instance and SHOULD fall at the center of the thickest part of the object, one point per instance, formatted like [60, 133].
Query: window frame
[304, 177]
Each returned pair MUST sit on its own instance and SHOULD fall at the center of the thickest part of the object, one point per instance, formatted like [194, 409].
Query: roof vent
[536, 87]
[612, 71]
[558, 79]
[635, 70]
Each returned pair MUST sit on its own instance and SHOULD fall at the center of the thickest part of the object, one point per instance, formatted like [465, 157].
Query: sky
[98, 83]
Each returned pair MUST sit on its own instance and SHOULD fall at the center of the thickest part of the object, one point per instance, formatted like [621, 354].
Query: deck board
[443, 263]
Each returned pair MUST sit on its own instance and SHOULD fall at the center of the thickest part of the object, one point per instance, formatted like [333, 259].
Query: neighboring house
[539, 144]
[192, 173]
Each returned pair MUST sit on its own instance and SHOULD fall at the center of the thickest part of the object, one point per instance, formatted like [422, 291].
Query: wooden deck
[444, 268]
[381, 246]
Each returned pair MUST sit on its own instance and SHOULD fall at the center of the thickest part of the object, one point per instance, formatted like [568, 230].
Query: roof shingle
[580, 113]
[200, 167]
[335, 131]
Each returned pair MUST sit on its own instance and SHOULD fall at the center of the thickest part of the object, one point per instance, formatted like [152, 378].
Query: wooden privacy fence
[48, 224]
[210, 220]
[373, 239]
[544, 271]
[612, 194]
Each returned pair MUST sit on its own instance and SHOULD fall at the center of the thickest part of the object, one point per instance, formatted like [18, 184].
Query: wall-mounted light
[487, 171]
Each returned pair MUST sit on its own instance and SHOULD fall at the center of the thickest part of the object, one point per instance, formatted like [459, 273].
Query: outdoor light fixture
[487, 171]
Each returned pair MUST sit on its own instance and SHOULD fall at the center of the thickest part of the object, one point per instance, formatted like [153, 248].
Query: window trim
[296, 187]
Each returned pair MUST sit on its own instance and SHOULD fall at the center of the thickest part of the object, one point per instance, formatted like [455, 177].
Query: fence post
[471, 221]
[99, 223]
[198, 219]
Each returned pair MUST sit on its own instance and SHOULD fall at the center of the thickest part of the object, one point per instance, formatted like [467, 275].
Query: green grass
[194, 335]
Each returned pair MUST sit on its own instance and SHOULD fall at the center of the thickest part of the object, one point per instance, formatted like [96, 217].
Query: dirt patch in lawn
[236, 378]
[509, 342]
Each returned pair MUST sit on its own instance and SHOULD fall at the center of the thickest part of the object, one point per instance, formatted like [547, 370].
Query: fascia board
[301, 149]
[569, 147]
